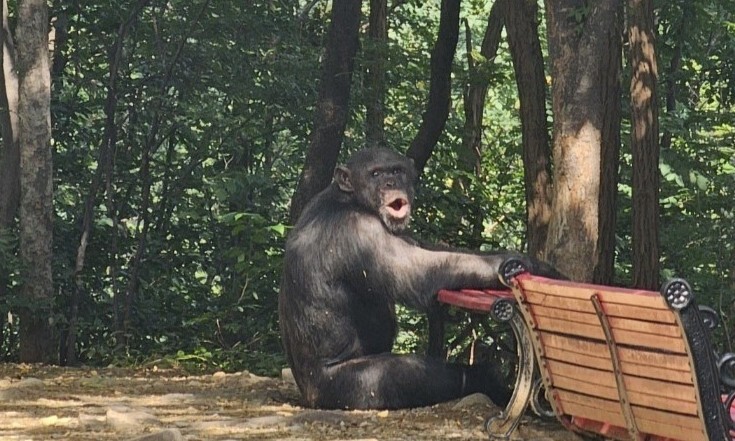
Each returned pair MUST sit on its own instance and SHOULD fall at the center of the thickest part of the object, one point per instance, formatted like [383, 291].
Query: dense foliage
[212, 104]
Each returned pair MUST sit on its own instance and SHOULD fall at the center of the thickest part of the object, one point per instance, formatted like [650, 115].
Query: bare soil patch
[47, 403]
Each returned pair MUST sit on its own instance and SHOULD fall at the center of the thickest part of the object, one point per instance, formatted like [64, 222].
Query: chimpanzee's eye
[375, 173]
[396, 171]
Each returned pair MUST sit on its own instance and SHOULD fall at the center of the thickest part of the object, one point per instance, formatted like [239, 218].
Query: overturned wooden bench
[621, 363]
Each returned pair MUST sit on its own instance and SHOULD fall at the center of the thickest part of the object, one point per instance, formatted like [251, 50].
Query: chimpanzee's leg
[390, 381]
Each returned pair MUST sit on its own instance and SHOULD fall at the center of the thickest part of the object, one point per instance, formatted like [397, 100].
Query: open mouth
[399, 208]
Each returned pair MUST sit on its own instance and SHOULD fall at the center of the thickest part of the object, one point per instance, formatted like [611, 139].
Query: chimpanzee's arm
[419, 273]
[412, 275]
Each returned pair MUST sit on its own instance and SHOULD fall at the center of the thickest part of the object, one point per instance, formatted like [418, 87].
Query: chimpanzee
[346, 264]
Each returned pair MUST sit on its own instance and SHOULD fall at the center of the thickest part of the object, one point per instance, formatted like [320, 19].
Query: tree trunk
[528, 64]
[376, 57]
[644, 144]
[36, 200]
[332, 109]
[437, 109]
[9, 154]
[585, 57]
[469, 152]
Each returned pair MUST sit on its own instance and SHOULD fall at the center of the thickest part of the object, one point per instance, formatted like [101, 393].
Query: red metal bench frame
[500, 304]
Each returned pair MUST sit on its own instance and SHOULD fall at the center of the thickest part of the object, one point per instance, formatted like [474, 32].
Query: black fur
[346, 266]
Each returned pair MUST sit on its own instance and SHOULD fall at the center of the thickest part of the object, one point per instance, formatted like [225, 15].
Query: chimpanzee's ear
[342, 178]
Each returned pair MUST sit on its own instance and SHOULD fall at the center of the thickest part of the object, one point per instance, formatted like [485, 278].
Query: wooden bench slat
[611, 309]
[604, 363]
[642, 386]
[577, 385]
[663, 360]
[645, 392]
[571, 344]
[570, 408]
[628, 324]
[611, 406]
[662, 402]
[607, 294]
[686, 419]
[578, 358]
[570, 328]
[645, 327]
[659, 388]
[671, 431]
[648, 314]
[668, 430]
[596, 377]
[672, 417]
[622, 336]
[648, 420]
[655, 373]
[579, 305]
[683, 404]
[563, 383]
[652, 357]
[565, 314]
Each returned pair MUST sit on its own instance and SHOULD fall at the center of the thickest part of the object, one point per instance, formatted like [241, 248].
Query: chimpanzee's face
[382, 181]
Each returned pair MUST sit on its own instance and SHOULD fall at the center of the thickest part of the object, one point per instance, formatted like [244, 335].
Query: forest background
[155, 154]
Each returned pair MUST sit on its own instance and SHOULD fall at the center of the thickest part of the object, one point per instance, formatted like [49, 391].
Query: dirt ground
[51, 403]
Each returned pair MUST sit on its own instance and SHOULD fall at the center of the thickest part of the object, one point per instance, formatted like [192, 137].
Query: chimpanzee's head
[380, 180]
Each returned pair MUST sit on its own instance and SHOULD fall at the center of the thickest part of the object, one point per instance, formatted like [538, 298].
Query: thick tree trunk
[437, 109]
[376, 59]
[585, 55]
[36, 201]
[644, 144]
[528, 64]
[332, 109]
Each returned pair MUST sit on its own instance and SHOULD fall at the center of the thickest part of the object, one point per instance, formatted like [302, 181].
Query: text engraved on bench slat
[659, 359]
[622, 337]
[604, 363]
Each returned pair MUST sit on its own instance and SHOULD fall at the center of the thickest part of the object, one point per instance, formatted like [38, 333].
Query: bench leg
[539, 403]
[500, 427]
